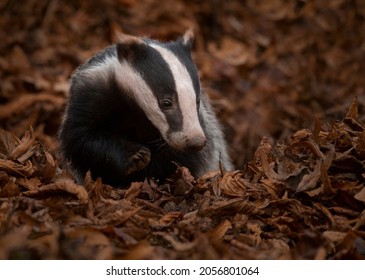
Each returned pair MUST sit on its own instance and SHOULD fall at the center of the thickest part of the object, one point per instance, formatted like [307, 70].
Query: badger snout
[196, 143]
[190, 141]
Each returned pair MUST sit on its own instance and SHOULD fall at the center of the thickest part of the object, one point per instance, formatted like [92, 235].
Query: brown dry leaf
[18, 59]
[14, 240]
[185, 174]
[45, 240]
[352, 117]
[20, 150]
[233, 184]
[301, 136]
[62, 184]
[310, 180]
[171, 217]
[98, 192]
[353, 240]
[8, 142]
[25, 101]
[17, 169]
[233, 52]
[4, 177]
[166, 220]
[115, 218]
[326, 212]
[270, 186]
[86, 243]
[177, 245]
[221, 208]
[48, 169]
[150, 188]
[127, 238]
[327, 163]
[26, 147]
[360, 195]
[360, 221]
[183, 182]
[134, 190]
[335, 236]
[346, 161]
[142, 251]
[29, 184]
[353, 112]
[274, 10]
[288, 169]
[210, 180]
[256, 230]
[219, 232]
[9, 189]
[263, 155]
[204, 180]
[360, 145]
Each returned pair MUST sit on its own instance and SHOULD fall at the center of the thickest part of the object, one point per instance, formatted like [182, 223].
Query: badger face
[163, 80]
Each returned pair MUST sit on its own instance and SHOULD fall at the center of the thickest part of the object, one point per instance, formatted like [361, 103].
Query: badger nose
[196, 143]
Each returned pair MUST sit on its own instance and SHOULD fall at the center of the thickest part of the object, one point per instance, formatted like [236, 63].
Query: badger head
[163, 80]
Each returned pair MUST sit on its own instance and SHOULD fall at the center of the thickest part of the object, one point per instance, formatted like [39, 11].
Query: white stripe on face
[186, 98]
[134, 85]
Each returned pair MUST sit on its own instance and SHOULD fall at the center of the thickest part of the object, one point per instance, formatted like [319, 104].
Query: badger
[136, 110]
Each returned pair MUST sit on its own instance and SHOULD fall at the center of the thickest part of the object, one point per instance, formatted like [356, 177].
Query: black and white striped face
[163, 81]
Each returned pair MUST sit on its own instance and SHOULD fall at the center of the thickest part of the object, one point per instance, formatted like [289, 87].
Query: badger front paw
[139, 160]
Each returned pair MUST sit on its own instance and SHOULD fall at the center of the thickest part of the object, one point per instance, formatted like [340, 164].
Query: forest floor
[286, 79]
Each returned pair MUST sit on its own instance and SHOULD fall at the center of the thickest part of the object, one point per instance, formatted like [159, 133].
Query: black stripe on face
[158, 76]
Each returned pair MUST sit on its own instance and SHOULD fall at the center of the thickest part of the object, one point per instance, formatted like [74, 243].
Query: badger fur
[136, 110]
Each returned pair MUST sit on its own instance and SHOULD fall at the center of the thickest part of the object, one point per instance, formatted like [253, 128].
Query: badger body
[136, 110]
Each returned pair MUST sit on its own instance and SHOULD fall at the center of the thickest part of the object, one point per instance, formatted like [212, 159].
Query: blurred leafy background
[270, 67]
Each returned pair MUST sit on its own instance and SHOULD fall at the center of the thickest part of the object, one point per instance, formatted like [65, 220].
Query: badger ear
[129, 47]
[188, 38]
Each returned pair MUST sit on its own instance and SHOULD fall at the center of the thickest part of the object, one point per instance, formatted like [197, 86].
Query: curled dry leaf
[310, 180]
[48, 169]
[115, 218]
[8, 143]
[233, 184]
[361, 195]
[26, 147]
[65, 185]
[352, 117]
[134, 190]
[17, 169]
[171, 217]
[183, 181]
[219, 232]
[29, 184]
[222, 208]
[263, 155]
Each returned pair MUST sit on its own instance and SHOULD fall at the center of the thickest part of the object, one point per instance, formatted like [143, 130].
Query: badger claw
[139, 160]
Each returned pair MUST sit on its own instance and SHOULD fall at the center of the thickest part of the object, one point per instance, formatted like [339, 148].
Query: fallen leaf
[233, 184]
[65, 185]
[360, 195]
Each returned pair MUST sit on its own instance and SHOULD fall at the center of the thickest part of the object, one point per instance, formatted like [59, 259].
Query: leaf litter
[286, 80]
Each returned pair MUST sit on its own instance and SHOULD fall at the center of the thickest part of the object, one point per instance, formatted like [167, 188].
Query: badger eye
[166, 103]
